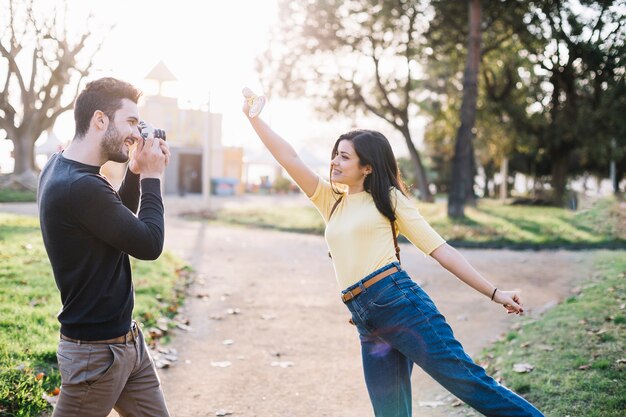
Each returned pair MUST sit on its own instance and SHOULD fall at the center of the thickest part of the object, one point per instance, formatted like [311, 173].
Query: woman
[398, 324]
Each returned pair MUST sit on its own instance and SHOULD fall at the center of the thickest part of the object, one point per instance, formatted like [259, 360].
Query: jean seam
[462, 363]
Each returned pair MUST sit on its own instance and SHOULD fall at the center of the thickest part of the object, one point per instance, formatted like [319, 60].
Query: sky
[211, 47]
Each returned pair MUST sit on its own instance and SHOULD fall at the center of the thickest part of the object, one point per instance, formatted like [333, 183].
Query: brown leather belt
[373, 280]
[133, 334]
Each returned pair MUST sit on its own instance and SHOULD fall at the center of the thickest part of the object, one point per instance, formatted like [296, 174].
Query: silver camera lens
[145, 129]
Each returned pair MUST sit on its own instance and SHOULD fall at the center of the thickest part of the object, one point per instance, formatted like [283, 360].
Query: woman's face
[346, 168]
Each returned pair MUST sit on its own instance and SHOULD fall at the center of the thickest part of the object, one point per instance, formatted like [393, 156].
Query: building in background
[198, 162]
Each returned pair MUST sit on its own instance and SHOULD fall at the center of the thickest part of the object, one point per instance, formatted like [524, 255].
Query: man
[89, 231]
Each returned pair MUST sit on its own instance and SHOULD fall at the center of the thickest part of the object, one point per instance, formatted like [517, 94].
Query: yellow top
[359, 236]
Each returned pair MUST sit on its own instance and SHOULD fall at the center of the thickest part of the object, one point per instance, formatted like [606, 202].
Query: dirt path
[290, 313]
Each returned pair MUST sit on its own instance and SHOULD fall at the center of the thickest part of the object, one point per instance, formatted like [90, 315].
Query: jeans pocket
[387, 296]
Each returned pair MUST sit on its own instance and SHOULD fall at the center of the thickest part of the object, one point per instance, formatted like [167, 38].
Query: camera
[146, 128]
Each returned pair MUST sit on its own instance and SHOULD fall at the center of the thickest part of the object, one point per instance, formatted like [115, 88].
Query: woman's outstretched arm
[285, 154]
[453, 261]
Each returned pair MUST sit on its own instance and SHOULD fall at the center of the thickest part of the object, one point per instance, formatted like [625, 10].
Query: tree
[462, 164]
[552, 84]
[38, 62]
[357, 56]
[579, 109]
[474, 112]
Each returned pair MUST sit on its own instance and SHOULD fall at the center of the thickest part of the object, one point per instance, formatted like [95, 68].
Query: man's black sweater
[89, 230]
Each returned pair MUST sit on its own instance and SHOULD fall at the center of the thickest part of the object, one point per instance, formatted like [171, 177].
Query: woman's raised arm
[284, 153]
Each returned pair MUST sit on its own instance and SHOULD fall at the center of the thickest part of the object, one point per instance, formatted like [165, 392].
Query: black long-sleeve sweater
[89, 230]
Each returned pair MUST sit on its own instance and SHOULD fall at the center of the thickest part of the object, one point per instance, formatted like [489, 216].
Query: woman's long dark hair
[373, 149]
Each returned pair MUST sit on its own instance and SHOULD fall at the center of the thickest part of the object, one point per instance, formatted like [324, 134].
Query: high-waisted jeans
[399, 325]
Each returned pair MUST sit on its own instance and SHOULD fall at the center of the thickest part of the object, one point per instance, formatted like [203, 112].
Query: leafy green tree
[354, 57]
[579, 106]
[552, 86]
[493, 89]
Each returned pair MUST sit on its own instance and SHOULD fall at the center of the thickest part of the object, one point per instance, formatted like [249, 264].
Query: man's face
[121, 133]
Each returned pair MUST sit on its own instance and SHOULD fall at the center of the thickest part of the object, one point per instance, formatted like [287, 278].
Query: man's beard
[112, 145]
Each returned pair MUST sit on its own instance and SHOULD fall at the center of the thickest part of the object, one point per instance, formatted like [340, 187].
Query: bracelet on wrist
[494, 293]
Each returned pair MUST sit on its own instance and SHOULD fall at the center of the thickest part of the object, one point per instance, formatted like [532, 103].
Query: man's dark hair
[105, 94]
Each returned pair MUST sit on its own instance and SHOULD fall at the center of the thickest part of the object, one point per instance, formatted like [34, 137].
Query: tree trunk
[559, 177]
[462, 171]
[420, 172]
[504, 173]
[24, 170]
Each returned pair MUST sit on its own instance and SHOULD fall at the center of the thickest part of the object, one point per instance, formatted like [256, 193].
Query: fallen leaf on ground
[155, 333]
[456, 403]
[51, 398]
[223, 413]
[183, 326]
[282, 364]
[523, 367]
[547, 348]
[163, 324]
[431, 404]
[162, 364]
[221, 364]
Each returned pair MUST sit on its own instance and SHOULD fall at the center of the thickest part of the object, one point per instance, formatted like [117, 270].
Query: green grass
[8, 195]
[577, 349]
[29, 303]
[491, 224]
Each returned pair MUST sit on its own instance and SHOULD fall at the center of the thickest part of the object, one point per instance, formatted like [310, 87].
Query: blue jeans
[399, 325]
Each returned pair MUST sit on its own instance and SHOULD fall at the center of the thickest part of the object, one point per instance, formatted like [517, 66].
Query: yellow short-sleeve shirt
[359, 236]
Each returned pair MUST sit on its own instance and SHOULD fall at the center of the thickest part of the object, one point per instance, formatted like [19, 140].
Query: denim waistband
[373, 274]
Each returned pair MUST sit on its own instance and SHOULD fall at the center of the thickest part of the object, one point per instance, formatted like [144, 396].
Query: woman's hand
[510, 300]
[252, 104]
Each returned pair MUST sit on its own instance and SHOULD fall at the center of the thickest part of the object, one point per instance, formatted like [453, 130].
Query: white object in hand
[255, 103]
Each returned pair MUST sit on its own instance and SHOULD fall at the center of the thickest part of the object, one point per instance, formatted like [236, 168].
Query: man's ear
[99, 120]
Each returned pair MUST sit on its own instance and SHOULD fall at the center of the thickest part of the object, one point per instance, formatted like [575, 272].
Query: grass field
[29, 302]
[491, 224]
[577, 349]
[8, 195]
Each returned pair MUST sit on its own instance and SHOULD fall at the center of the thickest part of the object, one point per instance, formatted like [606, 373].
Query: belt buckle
[345, 298]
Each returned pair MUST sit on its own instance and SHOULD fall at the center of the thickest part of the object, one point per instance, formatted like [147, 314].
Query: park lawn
[577, 349]
[490, 224]
[29, 303]
[8, 195]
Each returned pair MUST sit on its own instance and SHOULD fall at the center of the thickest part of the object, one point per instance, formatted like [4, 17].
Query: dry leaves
[282, 364]
[221, 364]
[522, 368]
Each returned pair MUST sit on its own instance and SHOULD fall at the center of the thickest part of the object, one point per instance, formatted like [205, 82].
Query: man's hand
[150, 158]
